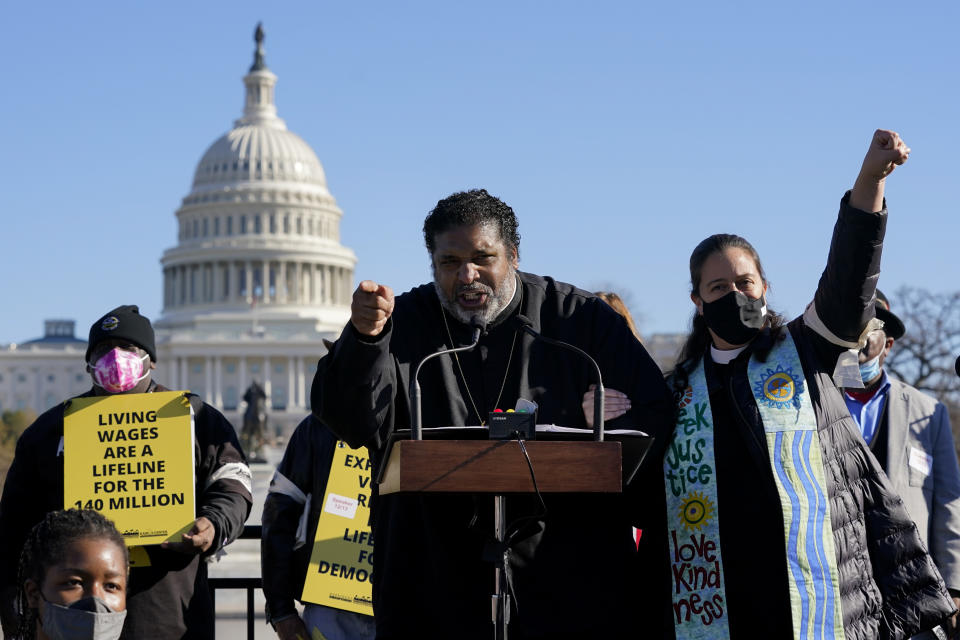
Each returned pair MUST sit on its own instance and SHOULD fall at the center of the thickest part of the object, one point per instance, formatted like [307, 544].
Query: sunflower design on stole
[696, 511]
[779, 388]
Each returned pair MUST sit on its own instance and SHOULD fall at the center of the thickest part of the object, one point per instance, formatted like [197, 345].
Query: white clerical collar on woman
[725, 356]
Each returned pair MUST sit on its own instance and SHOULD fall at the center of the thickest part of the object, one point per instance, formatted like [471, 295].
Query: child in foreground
[72, 581]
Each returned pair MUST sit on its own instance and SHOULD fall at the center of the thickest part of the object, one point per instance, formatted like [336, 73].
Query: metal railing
[250, 532]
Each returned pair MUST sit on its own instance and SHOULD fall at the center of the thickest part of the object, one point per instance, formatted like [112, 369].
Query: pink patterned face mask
[117, 370]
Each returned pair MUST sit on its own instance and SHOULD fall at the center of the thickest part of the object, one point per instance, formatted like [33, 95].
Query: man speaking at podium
[571, 570]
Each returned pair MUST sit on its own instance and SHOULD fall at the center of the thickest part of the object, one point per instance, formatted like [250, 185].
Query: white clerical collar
[725, 356]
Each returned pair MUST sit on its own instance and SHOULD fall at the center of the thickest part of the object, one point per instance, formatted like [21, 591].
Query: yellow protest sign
[341, 562]
[130, 457]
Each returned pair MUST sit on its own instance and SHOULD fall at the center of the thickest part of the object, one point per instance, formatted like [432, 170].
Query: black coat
[168, 599]
[430, 578]
[889, 586]
[306, 463]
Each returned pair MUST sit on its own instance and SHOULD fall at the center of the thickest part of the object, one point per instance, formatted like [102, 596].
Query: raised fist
[887, 150]
[371, 307]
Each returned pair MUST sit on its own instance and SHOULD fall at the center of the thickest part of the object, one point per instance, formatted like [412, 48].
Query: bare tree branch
[924, 357]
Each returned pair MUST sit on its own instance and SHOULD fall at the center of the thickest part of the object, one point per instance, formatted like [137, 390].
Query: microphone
[416, 415]
[526, 325]
[479, 328]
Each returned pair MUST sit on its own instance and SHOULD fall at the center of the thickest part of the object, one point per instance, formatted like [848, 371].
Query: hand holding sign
[292, 628]
[195, 541]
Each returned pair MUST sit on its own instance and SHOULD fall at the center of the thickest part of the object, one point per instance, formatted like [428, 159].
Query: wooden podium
[453, 460]
[499, 467]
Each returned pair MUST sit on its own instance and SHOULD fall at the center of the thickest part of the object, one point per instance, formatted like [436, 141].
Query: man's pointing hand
[371, 307]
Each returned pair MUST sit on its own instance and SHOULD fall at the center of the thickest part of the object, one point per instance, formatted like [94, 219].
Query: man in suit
[909, 433]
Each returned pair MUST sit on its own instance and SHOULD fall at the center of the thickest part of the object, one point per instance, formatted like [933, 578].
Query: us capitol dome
[258, 277]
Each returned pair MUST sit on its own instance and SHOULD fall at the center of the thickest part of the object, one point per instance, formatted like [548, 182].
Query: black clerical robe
[574, 574]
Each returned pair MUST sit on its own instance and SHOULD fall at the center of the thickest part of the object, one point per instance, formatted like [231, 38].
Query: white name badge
[921, 461]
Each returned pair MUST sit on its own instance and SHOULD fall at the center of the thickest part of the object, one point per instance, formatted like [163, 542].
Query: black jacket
[889, 586]
[168, 599]
[430, 577]
[306, 463]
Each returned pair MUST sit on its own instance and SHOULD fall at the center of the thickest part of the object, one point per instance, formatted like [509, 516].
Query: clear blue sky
[622, 133]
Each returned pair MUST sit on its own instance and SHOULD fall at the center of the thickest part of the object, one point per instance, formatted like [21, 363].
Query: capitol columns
[265, 282]
[193, 273]
[291, 390]
[233, 285]
[173, 274]
[282, 293]
[298, 277]
[331, 284]
[218, 381]
[217, 282]
[182, 274]
[208, 377]
[301, 388]
[321, 284]
[173, 372]
[184, 380]
[242, 371]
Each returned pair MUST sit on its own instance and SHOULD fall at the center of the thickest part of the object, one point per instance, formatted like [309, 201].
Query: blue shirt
[867, 414]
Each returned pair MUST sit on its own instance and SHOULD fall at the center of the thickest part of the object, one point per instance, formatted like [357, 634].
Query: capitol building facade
[258, 278]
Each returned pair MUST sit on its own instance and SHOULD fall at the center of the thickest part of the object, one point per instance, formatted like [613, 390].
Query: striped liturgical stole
[693, 512]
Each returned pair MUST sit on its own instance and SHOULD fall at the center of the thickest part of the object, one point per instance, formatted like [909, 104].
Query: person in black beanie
[118, 349]
[167, 592]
